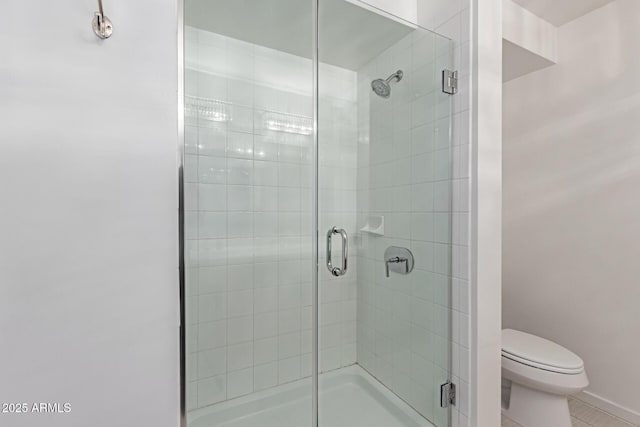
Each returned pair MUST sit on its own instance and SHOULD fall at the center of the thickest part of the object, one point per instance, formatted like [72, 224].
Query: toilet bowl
[538, 375]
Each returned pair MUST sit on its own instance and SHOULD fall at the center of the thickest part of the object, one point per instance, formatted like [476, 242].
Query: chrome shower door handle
[337, 271]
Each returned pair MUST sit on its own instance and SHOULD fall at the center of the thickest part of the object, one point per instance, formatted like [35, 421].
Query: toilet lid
[540, 353]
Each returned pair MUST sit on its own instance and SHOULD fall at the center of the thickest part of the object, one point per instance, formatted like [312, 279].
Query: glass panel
[384, 188]
[248, 172]
[384, 177]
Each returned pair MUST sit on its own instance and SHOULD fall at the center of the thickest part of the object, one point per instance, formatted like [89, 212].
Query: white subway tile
[265, 325]
[212, 279]
[239, 171]
[265, 199]
[212, 307]
[265, 376]
[240, 303]
[288, 370]
[239, 356]
[212, 225]
[265, 350]
[212, 390]
[212, 197]
[239, 383]
[239, 329]
[265, 300]
[239, 144]
[211, 170]
[212, 363]
[240, 224]
[212, 334]
[212, 141]
[289, 345]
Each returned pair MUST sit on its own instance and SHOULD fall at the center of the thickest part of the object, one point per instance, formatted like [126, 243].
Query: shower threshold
[349, 397]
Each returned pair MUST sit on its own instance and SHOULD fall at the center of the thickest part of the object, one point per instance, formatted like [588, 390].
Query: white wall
[571, 179]
[486, 222]
[88, 254]
[529, 42]
[523, 28]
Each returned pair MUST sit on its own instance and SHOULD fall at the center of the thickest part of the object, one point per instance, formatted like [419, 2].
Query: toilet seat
[539, 353]
[543, 366]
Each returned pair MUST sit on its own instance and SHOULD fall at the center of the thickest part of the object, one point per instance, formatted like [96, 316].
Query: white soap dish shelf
[374, 225]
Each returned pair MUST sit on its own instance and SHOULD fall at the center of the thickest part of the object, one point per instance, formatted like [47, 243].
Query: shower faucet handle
[397, 260]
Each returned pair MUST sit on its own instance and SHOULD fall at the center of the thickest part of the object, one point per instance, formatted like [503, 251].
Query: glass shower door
[384, 197]
[353, 225]
[248, 174]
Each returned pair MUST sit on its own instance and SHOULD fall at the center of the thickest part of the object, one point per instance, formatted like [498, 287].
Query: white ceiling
[559, 12]
[350, 35]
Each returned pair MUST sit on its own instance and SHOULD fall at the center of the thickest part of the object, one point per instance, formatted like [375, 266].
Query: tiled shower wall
[404, 177]
[248, 217]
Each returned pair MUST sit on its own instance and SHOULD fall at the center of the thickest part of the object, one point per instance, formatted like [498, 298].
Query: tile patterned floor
[583, 415]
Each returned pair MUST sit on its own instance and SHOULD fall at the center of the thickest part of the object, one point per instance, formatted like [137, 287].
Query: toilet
[537, 376]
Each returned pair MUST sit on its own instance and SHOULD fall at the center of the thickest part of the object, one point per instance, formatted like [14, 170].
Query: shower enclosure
[317, 216]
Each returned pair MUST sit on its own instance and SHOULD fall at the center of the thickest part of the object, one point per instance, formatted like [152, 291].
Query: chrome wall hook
[101, 24]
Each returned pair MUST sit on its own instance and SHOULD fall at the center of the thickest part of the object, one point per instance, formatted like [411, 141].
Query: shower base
[349, 397]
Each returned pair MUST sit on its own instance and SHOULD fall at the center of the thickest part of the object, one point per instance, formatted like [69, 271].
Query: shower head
[383, 87]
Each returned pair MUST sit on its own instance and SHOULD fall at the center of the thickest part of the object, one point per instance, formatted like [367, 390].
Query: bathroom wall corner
[486, 221]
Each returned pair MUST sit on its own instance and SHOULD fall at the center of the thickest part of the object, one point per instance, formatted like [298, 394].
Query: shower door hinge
[447, 394]
[449, 82]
